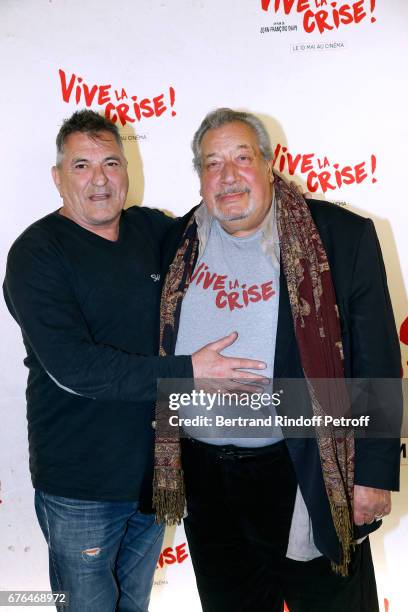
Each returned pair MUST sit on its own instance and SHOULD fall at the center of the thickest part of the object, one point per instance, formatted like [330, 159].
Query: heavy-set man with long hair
[273, 518]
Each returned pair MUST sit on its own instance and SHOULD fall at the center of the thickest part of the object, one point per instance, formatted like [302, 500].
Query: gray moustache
[232, 190]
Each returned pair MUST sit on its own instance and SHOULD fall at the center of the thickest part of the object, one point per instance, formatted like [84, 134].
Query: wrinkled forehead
[91, 140]
[233, 136]
[95, 146]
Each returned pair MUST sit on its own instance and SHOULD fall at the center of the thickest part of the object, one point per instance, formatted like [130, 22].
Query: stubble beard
[244, 214]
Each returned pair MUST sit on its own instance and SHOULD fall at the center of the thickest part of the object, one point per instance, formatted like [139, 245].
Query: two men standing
[81, 283]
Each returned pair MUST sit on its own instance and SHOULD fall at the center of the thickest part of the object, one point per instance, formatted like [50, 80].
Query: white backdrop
[330, 84]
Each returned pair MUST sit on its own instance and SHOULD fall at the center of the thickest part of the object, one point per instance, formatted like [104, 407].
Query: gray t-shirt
[224, 297]
[234, 287]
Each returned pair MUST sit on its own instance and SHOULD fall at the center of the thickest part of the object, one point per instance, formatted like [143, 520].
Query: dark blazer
[371, 350]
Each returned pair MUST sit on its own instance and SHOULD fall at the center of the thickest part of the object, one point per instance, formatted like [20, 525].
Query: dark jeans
[240, 504]
[103, 553]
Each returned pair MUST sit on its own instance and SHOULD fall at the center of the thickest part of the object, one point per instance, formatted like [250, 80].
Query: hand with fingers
[210, 366]
[370, 504]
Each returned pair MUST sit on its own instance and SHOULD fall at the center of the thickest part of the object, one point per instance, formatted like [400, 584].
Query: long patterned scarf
[317, 331]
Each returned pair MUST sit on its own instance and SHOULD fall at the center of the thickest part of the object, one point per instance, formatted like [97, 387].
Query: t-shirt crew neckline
[238, 239]
[95, 236]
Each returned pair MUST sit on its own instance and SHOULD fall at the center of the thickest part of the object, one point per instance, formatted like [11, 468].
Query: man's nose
[229, 173]
[99, 177]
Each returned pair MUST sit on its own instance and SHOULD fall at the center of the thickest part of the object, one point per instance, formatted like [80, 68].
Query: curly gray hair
[223, 116]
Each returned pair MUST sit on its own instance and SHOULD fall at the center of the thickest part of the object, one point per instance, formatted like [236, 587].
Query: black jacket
[371, 351]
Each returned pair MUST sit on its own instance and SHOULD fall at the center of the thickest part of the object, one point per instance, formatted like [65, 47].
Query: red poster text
[169, 555]
[404, 336]
[324, 15]
[118, 105]
[320, 173]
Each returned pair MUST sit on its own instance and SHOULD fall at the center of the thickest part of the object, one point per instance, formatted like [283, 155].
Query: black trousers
[240, 504]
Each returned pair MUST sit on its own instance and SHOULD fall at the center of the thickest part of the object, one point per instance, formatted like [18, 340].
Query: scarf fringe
[342, 524]
[317, 329]
[169, 503]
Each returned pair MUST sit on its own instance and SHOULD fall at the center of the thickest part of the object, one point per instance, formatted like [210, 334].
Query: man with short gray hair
[83, 284]
[303, 284]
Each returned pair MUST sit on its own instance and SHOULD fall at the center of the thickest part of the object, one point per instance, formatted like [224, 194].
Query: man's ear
[56, 177]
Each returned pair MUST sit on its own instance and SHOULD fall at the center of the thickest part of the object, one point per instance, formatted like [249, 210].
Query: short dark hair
[223, 116]
[86, 122]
